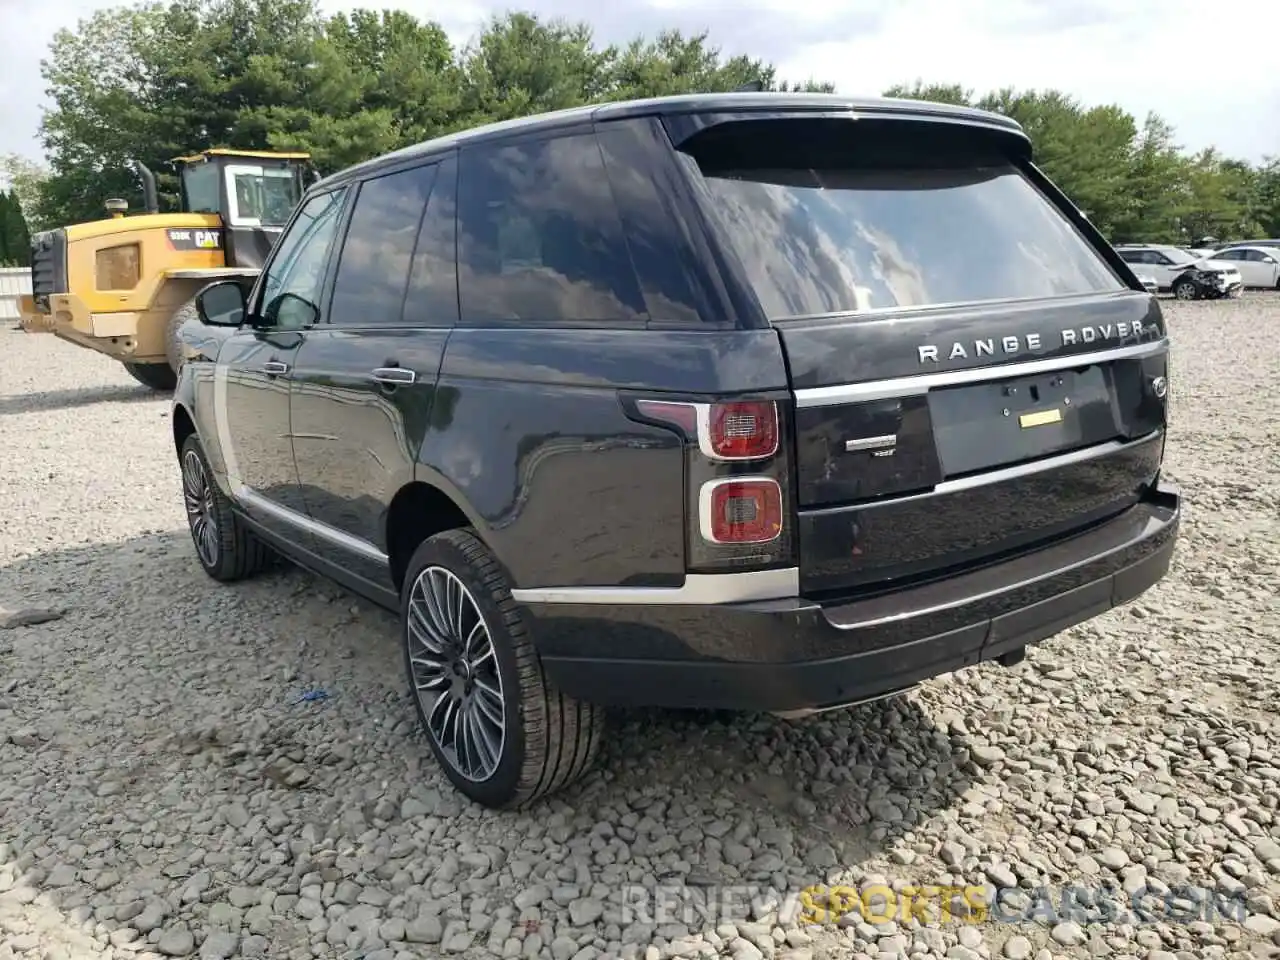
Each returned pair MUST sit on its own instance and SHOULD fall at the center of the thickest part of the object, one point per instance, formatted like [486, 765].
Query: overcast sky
[1209, 68]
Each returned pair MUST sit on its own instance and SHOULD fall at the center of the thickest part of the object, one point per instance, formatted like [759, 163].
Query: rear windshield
[817, 241]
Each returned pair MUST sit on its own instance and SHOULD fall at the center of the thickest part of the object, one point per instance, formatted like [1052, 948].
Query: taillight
[731, 431]
[743, 430]
[740, 510]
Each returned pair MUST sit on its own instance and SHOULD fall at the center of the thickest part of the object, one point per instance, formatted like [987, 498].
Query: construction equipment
[125, 285]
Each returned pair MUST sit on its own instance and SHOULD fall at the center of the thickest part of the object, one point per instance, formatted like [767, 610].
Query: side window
[1131, 256]
[373, 267]
[1159, 259]
[1255, 256]
[1230, 255]
[539, 238]
[432, 298]
[290, 293]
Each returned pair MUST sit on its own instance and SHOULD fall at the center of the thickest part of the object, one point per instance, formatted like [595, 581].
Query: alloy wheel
[197, 492]
[455, 673]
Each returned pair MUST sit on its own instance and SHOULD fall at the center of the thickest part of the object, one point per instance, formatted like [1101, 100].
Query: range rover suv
[760, 402]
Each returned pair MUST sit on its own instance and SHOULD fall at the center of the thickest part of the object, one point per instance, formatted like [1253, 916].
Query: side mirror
[292, 312]
[221, 304]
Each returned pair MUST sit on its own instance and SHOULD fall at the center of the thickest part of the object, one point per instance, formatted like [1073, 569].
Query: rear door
[364, 384]
[972, 376]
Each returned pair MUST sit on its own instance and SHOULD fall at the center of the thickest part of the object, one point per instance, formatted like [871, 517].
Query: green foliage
[15, 240]
[170, 77]
[1134, 181]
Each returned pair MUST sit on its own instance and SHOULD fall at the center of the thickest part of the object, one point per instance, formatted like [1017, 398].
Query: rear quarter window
[539, 237]
[819, 240]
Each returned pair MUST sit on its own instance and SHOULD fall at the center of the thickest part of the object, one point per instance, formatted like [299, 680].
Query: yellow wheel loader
[125, 285]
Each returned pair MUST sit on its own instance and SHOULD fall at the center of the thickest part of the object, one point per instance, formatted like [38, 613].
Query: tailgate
[910, 475]
[975, 371]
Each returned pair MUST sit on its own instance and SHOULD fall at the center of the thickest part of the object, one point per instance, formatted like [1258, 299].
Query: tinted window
[201, 182]
[373, 267]
[819, 241]
[1230, 255]
[432, 300]
[637, 155]
[539, 238]
[1256, 256]
[291, 288]
[1132, 256]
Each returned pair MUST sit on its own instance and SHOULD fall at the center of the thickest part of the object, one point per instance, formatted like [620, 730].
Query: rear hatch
[974, 375]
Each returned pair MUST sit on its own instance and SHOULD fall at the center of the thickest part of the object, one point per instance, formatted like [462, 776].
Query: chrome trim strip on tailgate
[908, 386]
[999, 475]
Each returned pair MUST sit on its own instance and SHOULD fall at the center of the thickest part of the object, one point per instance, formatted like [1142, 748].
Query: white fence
[14, 282]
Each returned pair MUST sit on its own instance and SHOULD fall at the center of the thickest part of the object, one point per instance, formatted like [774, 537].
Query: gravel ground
[165, 792]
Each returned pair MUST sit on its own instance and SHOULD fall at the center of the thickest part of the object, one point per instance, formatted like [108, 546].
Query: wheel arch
[184, 425]
[419, 510]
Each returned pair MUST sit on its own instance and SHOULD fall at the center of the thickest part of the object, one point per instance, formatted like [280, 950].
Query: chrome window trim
[923, 383]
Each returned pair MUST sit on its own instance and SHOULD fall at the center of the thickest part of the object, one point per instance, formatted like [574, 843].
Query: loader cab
[253, 192]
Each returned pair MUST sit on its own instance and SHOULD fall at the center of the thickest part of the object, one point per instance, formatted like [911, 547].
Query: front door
[364, 386]
[255, 368]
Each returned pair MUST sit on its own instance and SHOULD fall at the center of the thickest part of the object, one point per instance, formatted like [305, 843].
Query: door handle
[394, 376]
[273, 368]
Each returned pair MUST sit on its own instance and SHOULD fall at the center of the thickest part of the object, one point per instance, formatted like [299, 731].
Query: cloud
[1225, 92]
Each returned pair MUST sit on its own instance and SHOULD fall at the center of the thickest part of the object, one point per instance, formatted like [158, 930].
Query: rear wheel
[157, 376]
[502, 733]
[1186, 290]
[226, 549]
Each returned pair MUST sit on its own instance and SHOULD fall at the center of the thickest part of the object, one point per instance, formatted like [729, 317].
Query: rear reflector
[740, 510]
[734, 431]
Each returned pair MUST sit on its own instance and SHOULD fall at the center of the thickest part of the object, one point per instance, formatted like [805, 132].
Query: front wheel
[227, 550]
[502, 733]
[157, 376]
[1186, 290]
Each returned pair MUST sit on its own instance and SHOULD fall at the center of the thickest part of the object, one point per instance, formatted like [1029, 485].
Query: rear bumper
[796, 655]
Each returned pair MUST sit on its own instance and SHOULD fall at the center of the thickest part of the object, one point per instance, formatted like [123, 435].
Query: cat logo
[195, 239]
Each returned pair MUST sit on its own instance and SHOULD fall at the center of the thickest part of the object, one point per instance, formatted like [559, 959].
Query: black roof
[688, 103]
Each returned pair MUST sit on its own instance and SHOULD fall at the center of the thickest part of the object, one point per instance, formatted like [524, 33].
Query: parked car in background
[1226, 244]
[1182, 273]
[1258, 266]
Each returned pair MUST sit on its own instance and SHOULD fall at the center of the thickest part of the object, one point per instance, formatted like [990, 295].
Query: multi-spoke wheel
[197, 491]
[502, 733]
[455, 674]
[225, 547]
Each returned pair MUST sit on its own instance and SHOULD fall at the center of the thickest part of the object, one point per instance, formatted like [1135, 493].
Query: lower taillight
[740, 510]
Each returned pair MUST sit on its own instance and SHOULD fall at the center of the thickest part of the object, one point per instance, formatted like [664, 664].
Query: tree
[15, 239]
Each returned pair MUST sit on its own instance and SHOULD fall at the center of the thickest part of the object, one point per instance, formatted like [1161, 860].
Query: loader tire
[173, 334]
[157, 376]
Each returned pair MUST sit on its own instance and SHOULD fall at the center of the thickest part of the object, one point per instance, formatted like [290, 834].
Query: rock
[28, 617]
[219, 945]
[176, 942]
[1017, 947]
[426, 929]
[1261, 924]
[25, 738]
[986, 755]
[585, 911]
[1068, 933]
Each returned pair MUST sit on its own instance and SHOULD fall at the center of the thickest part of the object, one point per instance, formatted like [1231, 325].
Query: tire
[157, 376]
[172, 334]
[229, 551]
[1186, 290]
[547, 741]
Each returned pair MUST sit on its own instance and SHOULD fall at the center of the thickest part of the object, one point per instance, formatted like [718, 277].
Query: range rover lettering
[761, 402]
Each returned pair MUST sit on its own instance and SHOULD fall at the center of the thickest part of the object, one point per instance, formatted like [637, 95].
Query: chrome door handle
[394, 376]
[273, 368]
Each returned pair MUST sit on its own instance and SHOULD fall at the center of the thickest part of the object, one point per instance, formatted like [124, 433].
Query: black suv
[748, 401]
